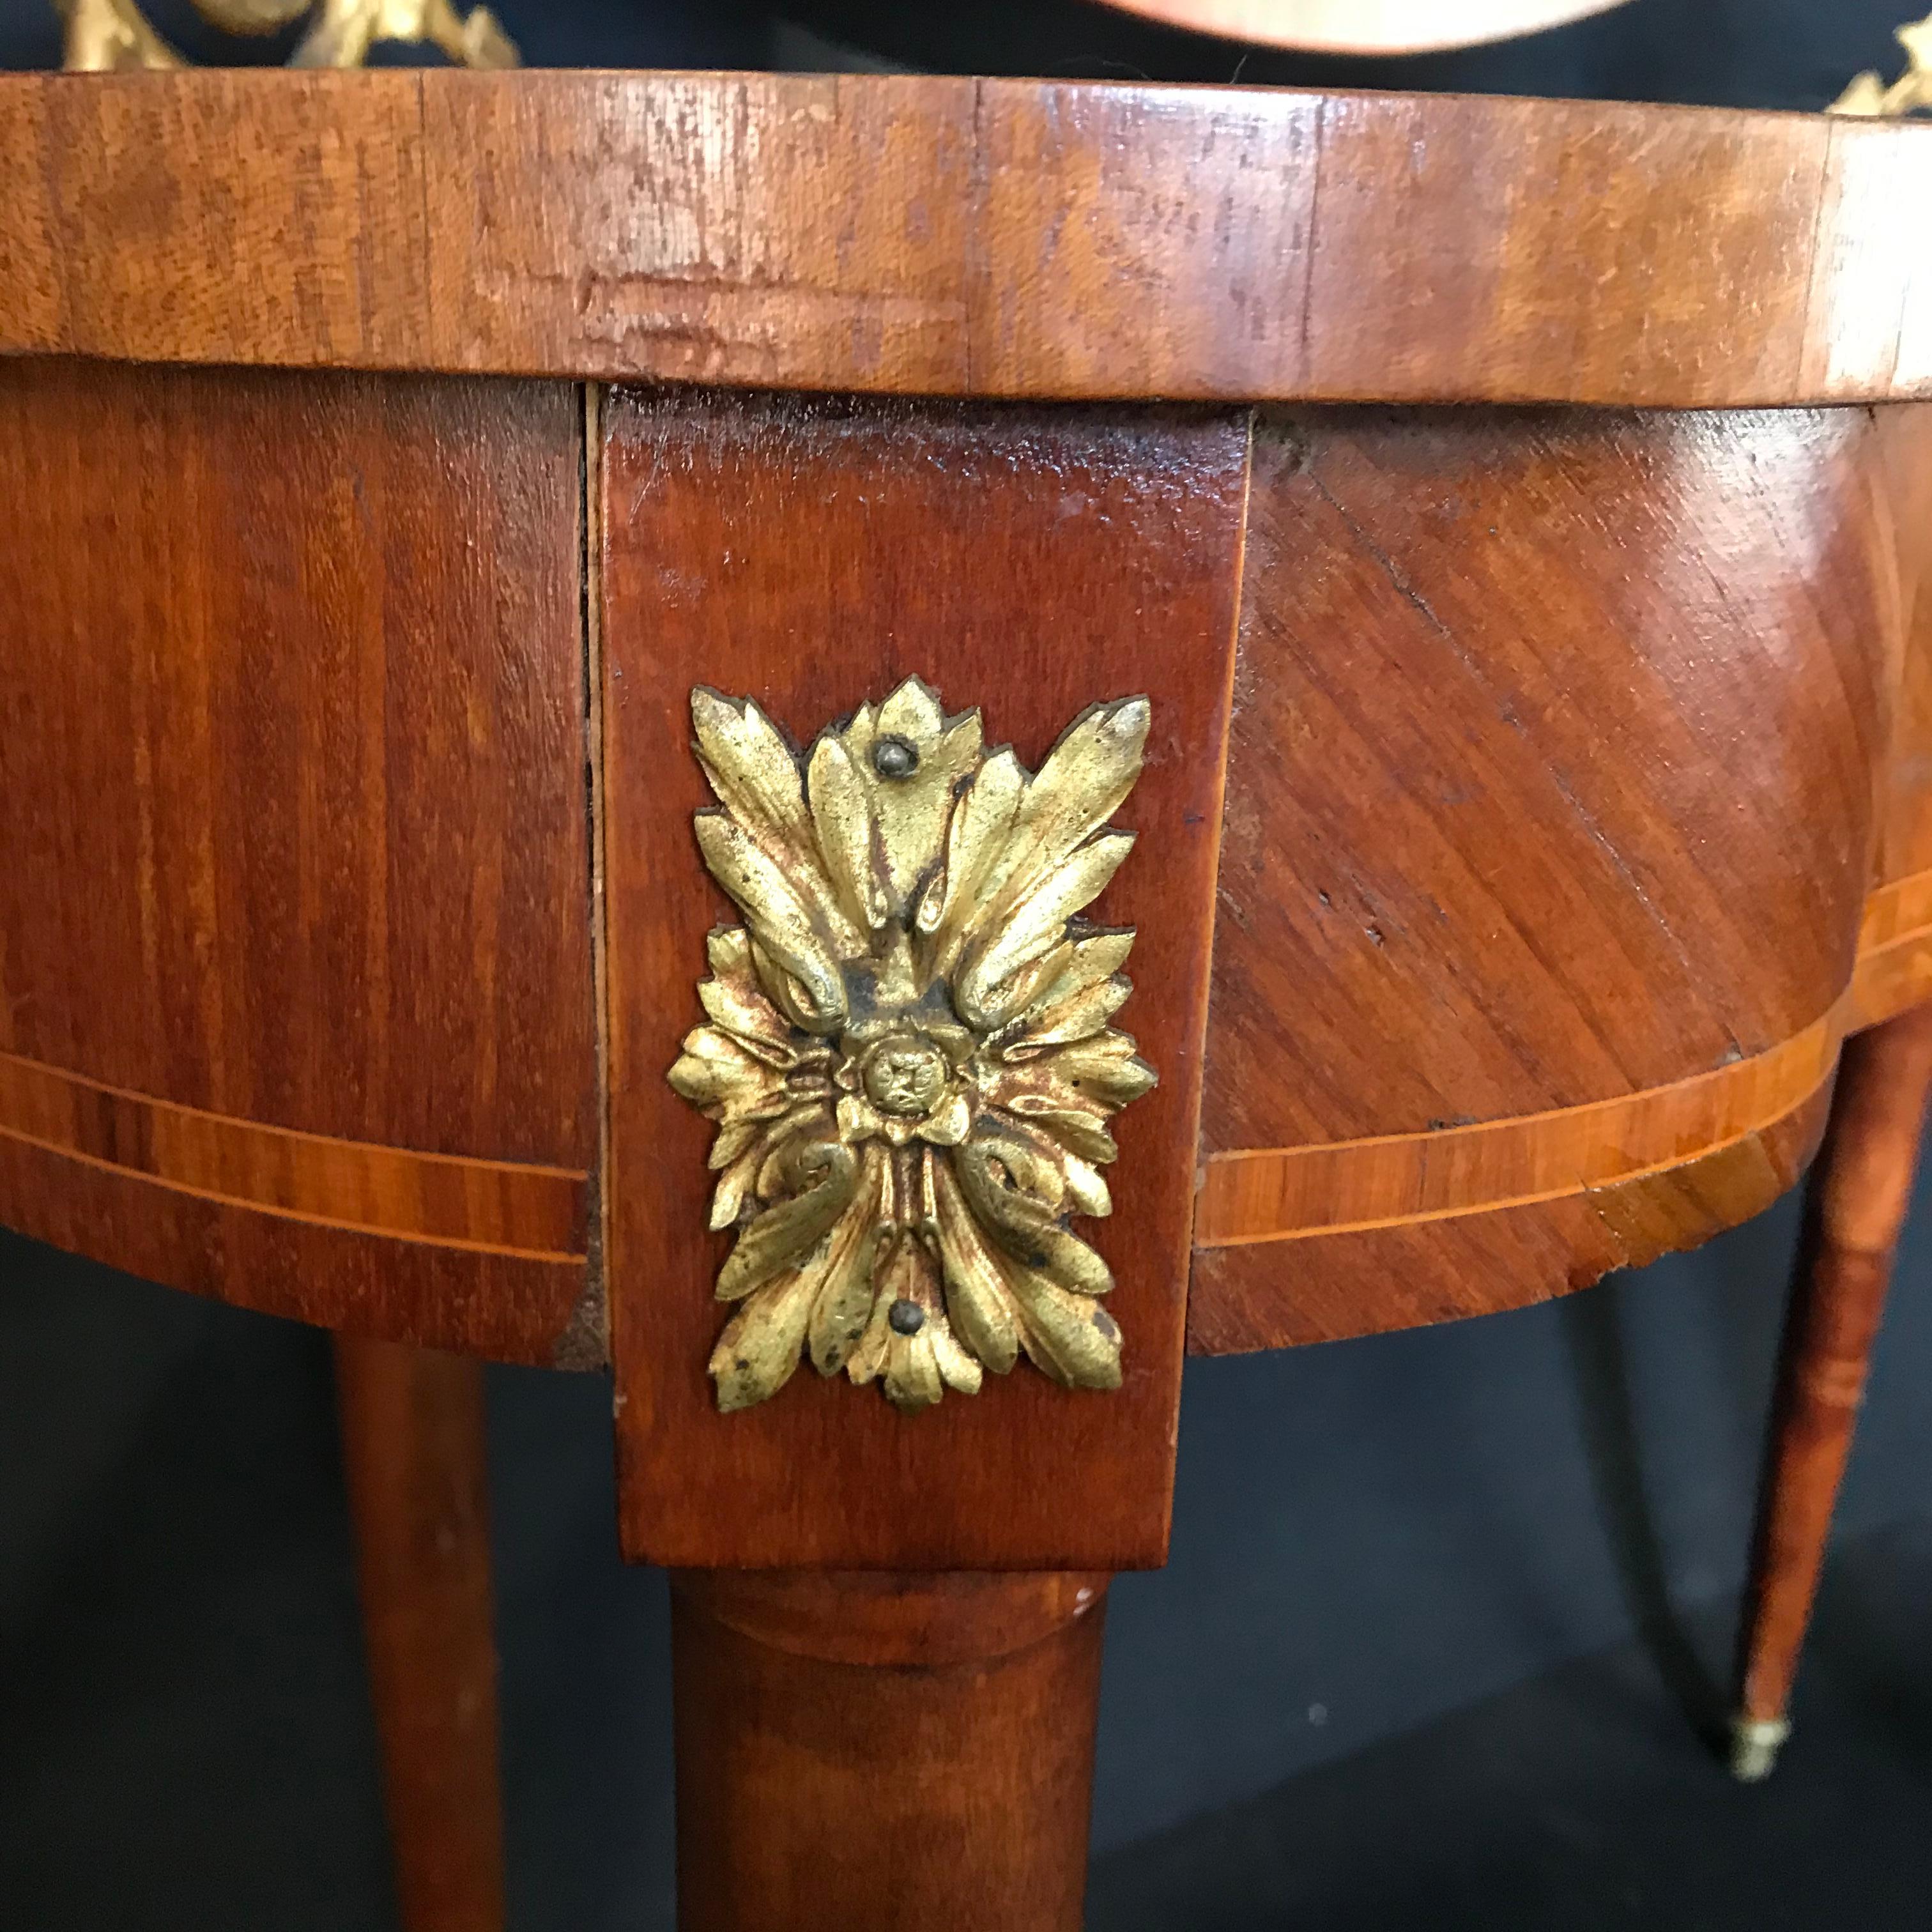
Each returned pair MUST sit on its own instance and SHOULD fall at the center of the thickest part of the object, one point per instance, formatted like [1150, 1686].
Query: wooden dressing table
[1475, 546]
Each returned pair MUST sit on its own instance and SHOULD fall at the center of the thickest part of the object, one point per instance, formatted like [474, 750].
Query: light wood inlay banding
[532, 1213]
[1280, 1194]
[1896, 914]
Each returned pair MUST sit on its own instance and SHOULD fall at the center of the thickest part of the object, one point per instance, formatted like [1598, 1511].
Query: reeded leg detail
[1860, 1191]
[881, 1750]
[413, 1450]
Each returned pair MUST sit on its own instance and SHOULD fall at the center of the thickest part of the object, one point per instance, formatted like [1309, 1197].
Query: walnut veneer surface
[1547, 784]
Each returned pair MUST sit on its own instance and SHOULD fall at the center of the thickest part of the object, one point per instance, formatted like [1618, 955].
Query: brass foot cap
[1755, 1742]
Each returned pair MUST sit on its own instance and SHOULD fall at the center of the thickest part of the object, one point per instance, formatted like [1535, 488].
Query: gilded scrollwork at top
[909, 1053]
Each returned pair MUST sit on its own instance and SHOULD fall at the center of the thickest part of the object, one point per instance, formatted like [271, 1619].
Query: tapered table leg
[1859, 1193]
[860, 1752]
[413, 1442]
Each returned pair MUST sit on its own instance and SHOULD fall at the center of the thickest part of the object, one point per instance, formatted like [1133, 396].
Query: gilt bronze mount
[114, 36]
[909, 1055]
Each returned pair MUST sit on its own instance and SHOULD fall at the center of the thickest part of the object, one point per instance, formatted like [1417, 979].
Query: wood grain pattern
[1870, 314]
[1425, 169]
[1859, 1196]
[1904, 498]
[33, 291]
[1338, 1186]
[538, 1214]
[1894, 965]
[1893, 978]
[1578, 787]
[1285, 1194]
[812, 555]
[1287, 1295]
[927, 234]
[307, 221]
[414, 1455]
[1517, 827]
[283, 865]
[293, 806]
[752, 228]
[508, 1308]
[1896, 913]
[890, 1751]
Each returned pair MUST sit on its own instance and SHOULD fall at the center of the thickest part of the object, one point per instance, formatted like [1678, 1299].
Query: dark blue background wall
[1367, 1535]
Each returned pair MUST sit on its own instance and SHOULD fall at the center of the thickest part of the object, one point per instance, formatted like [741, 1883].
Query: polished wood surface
[294, 940]
[813, 555]
[1905, 793]
[1894, 963]
[932, 235]
[414, 1452]
[1404, 1180]
[1570, 998]
[1573, 950]
[1537, 795]
[894, 1751]
[1859, 1195]
[1551, 793]
[503, 1207]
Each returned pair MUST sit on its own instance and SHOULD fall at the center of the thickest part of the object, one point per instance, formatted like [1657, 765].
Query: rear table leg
[1859, 1193]
[412, 1443]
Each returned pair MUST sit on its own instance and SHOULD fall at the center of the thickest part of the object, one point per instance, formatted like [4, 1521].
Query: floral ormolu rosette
[909, 1056]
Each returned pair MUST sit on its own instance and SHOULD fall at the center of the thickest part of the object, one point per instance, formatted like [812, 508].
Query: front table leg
[1859, 1194]
[881, 1750]
[899, 1236]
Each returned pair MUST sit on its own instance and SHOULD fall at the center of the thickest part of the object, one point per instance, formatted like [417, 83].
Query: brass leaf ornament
[109, 36]
[909, 1055]
[1868, 95]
